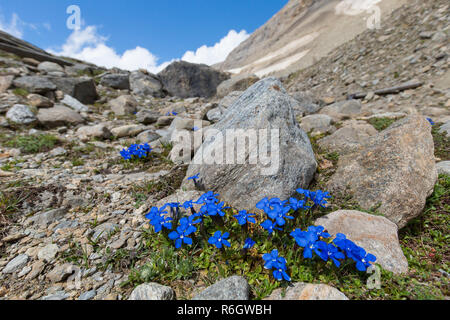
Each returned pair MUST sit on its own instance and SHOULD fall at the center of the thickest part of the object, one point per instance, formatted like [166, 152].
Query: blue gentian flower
[208, 197]
[195, 177]
[212, 209]
[249, 243]
[431, 121]
[180, 236]
[187, 224]
[243, 217]
[296, 204]
[334, 254]
[363, 260]
[273, 261]
[218, 239]
[159, 222]
[195, 128]
[269, 226]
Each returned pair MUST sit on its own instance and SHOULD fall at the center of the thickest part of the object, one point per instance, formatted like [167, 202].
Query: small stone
[16, 264]
[443, 167]
[48, 253]
[88, 295]
[61, 272]
[152, 291]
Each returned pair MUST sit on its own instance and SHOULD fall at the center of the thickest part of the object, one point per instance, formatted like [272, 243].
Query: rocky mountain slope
[73, 211]
[301, 33]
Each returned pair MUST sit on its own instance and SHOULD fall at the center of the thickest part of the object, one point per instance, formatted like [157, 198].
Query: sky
[137, 34]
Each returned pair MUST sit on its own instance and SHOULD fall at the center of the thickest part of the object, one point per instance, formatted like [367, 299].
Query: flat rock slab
[376, 234]
[307, 291]
[393, 172]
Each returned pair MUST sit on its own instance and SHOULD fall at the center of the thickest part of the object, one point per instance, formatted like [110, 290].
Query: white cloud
[218, 52]
[88, 45]
[14, 27]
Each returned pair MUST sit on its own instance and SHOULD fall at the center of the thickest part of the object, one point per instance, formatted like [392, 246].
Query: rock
[123, 105]
[426, 34]
[307, 103]
[35, 84]
[127, 131]
[16, 264]
[31, 61]
[188, 124]
[443, 167]
[215, 114]
[45, 218]
[88, 295]
[393, 171]
[48, 253]
[59, 116]
[74, 104]
[36, 270]
[58, 152]
[236, 83]
[57, 296]
[307, 291]
[49, 67]
[147, 117]
[184, 79]
[61, 272]
[103, 230]
[82, 88]
[376, 234]
[146, 84]
[229, 99]
[7, 101]
[317, 124]
[147, 136]
[38, 101]
[21, 114]
[164, 121]
[118, 81]
[5, 83]
[152, 291]
[265, 105]
[232, 288]
[445, 128]
[99, 131]
[348, 138]
[343, 109]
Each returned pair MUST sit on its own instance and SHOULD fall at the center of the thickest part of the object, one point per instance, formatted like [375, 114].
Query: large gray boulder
[34, 84]
[118, 81]
[290, 162]
[146, 84]
[83, 89]
[186, 80]
[232, 288]
[376, 234]
[393, 172]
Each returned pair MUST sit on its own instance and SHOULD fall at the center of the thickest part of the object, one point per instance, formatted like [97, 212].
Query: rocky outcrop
[184, 79]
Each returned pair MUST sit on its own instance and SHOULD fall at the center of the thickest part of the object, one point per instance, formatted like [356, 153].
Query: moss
[381, 123]
[33, 143]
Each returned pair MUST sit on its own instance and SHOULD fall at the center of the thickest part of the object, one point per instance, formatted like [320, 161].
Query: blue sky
[132, 34]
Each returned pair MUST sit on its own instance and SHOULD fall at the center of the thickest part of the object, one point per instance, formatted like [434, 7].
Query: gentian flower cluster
[278, 264]
[136, 151]
[172, 113]
[314, 241]
[276, 210]
[180, 223]
[317, 197]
